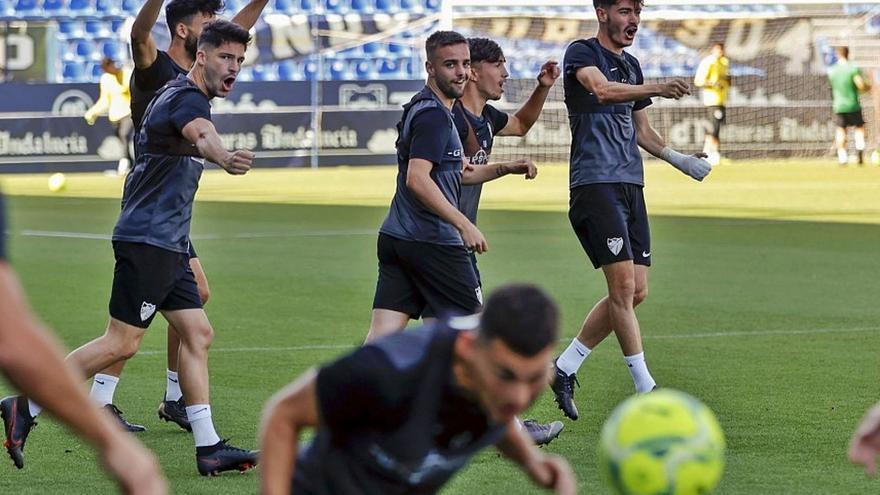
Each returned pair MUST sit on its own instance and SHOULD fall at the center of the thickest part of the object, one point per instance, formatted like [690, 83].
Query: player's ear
[602, 15]
[429, 68]
[466, 345]
[181, 30]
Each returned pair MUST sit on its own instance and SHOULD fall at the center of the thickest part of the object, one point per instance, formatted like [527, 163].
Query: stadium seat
[25, 7]
[107, 7]
[81, 7]
[306, 6]
[374, 49]
[131, 6]
[433, 5]
[70, 29]
[386, 6]
[114, 50]
[73, 71]
[94, 72]
[310, 70]
[363, 6]
[339, 71]
[336, 6]
[97, 28]
[388, 68]
[365, 69]
[246, 74]
[284, 6]
[289, 70]
[84, 49]
[399, 50]
[54, 8]
[411, 6]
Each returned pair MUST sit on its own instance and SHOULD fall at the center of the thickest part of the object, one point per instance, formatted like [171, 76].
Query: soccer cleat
[214, 459]
[563, 391]
[543, 434]
[18, 423]
[129, 427]
[175, 411]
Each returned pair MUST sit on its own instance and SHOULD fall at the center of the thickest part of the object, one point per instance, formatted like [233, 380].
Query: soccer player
[713, 75]
[150, 242]
[153, 68]
[32, 361]
[606, 98]
[404, 413]
[115, 101]
[477, 124]
[847, 81]
[865, 443]
[424, 241]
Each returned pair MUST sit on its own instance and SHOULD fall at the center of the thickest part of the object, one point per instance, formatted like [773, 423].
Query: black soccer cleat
[543, 434]
[17, 423]
[563, 391]
[129, 427]
[214, 459]
[175, 411]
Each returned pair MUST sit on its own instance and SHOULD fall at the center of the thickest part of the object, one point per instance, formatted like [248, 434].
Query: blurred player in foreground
[404, 413]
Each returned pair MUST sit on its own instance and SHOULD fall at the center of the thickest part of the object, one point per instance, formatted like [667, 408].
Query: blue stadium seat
[411, 6]
[131, 6]
[336, 6]
[81, 7]
[84, 49]
[97, 28]
[284, 6]
[374, 49]
[388, 68]
[94, 72]
[364, 69]
[306, 6]
[386, 6]
[289, 70]
[107, 7]
[116, 25]
[259, 72]
[399, 49]
[433, 5]
[246, 74]
[310, 70]
[25, 7]
[70, 29]
[73, 71]
[363, 6]
[408, 69]
[54, 8]
[339, 71]
[114, 50]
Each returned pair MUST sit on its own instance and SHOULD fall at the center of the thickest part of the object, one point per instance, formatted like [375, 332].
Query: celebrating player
[607, 99]
[151, 240]
[153, 69]
[403, 414]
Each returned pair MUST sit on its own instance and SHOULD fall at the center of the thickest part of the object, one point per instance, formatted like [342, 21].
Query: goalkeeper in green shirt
[847, 81]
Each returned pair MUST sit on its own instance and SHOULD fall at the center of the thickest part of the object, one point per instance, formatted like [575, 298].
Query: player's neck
[608, 44]
[472, 101]
[180, 56]
[447, 101]
[198, 77]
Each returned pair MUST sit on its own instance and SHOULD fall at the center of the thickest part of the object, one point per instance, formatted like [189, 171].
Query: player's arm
[609, 92]
[519, 123]
[863, 84]
[203, 135]
[287, 413]
[547, 471]
[250, 13]
[419, 181]
[143, 46]
[32, 361]
[865, 443]
[492, 171]
[701, 74]
[653, 143]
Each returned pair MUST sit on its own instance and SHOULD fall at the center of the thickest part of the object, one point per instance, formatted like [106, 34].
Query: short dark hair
[178, 11]
[842, 51]
[484, 50]
[440, 39]
[523, 316]
[608, 3]
[220, 31]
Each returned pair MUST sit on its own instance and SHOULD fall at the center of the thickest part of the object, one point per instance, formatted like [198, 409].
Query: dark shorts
[717, 116]
[611, 222]
[192, 251]
[849, 119]
[424, 279]
[148, 279]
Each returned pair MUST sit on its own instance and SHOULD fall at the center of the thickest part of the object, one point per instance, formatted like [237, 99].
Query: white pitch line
[334, 347]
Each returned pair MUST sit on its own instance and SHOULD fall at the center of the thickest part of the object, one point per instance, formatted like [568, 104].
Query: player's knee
[622, 291]
[639, 296]
[202, 336]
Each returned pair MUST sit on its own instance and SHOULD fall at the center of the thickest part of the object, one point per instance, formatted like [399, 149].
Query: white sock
[859, 140]
[103, 388]
[642, 378]
[172, 386]
[714, 158]
[841, 156]
[199, 417]
[34, 408]
[573, 356]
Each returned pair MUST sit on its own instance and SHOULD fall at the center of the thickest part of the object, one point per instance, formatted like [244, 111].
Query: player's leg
[859, 141]
[183, 310]
[124, 129]
[840, 143]
[711, 144]
[172, 408]
[396, 299]
[445, 277]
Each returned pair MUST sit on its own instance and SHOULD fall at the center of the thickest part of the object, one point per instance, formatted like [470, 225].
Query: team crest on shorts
[147, 310]
[479, 292]
[615, 244]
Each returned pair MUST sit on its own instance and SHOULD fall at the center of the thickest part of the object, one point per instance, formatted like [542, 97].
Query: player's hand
[549, 73]
[238, 162]
[865, 443]
[554, 473]
[473, 239]
[90, 119]
[675, 89]
[522, 167]
[134, 468]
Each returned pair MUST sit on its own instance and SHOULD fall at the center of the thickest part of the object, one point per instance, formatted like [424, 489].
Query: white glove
[691, 165]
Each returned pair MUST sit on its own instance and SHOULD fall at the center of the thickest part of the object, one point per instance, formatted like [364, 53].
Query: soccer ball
[57, 182]
[664, 442]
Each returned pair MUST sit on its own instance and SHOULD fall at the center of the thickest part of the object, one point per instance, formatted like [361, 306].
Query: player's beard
[191, 45]
[448, 89]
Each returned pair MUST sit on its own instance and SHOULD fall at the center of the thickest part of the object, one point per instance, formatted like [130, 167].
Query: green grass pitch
[763, 303]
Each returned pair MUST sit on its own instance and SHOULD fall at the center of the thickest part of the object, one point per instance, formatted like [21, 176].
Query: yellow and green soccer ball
[662, 443]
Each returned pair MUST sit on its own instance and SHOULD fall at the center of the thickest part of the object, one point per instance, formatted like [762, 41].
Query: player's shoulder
[409, 349]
